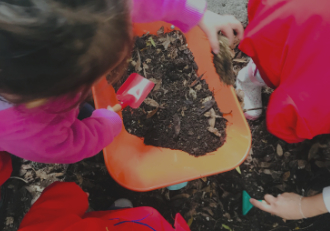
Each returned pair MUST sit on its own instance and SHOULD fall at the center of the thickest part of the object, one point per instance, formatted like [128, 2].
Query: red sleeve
[284, 120]
[60, 205]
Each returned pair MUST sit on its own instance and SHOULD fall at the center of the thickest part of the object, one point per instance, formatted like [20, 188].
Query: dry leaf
[133, 63]
[212, 121]
[279, 150]
[41, 174]
[198, 87]
[267, 171]
[209, 210]
[192, 93]
[213, 204]
[240, 60]
[160, 31]
[211, 113]
[286, 176]
[232, 52]
[148, 60]
[204, 179]
[206, 99]
[157, 82]
[313, 151]
[166, 42]
[214, 131]
[152, 113]
[138, 63]
[145, 67]
[265, 165]
[302, 164]
[151, 102]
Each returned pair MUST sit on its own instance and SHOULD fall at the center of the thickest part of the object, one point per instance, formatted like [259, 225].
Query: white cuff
[326, 197]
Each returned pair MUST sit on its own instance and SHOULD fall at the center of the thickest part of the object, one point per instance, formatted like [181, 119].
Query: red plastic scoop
[133, 92]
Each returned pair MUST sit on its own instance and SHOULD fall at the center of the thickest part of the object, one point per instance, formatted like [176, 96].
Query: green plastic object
[246, 205]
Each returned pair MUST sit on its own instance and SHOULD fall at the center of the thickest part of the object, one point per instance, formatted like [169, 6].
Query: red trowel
[133, 92]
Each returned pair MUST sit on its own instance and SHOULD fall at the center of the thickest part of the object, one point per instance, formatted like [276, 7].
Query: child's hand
[286, 205]
[212, 23]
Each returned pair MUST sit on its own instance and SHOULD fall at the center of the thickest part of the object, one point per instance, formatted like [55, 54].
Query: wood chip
[279, 150]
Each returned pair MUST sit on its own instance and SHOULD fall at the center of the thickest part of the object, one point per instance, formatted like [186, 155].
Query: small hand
[286, 205]
[212, 23]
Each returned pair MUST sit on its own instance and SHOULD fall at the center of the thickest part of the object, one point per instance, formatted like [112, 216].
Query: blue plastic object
[177, 186]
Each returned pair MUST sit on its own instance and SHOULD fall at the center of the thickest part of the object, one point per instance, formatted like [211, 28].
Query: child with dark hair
[53, 51]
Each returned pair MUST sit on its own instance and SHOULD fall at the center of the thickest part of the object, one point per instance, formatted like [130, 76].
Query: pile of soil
[180, 112]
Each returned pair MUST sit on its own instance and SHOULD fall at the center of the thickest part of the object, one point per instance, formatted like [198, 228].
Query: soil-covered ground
[212, 203]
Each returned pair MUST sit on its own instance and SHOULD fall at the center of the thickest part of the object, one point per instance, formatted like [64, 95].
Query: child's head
[50, 48]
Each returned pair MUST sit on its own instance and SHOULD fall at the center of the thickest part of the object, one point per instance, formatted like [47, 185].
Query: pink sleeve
[84, 138]
[59, 138]
[184, 14]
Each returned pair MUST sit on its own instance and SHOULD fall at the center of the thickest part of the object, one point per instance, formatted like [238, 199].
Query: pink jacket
[44, 135]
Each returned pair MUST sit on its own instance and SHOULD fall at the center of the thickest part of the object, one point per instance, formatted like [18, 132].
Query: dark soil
[173, 114]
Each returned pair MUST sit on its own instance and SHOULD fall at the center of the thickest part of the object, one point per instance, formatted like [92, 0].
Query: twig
[197, 80]
[18, 178]
[306, 227]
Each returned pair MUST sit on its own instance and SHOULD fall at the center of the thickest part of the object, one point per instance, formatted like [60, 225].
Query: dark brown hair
[51, 48]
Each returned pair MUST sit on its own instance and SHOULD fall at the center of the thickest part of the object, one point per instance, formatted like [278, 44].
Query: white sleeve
[326, 197]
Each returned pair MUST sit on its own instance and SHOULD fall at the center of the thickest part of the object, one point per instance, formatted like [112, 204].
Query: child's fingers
[261, 205]
[229, 33]
[270, 199]
[214, 42]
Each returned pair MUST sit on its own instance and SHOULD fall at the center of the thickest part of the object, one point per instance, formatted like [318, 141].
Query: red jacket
[62, 207]
[289, 40]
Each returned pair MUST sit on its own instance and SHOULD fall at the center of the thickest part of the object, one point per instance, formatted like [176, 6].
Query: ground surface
[212, 203]
[234, 7]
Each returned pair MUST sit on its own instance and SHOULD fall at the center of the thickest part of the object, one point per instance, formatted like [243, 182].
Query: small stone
[172, 27]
